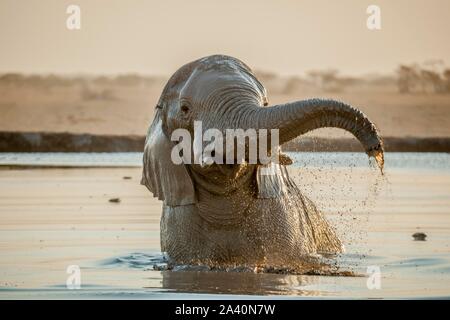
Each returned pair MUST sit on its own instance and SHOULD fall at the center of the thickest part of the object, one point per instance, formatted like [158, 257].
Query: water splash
[378, 155]
[343, 187]
[157, 261]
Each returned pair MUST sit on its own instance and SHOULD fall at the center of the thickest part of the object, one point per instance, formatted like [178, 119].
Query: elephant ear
[167, 181]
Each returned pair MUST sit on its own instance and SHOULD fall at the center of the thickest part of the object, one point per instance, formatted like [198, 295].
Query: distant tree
[430, 76]
[446, 75]
[408, 78]
[292, 85]
[349, 81]
[433, 80]
[327, 80]
[11, 78]
[129, 79]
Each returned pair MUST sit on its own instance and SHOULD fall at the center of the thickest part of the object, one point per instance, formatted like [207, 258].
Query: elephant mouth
[222, 178]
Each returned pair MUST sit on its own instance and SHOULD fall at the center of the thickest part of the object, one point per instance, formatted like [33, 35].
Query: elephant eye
[184, 108]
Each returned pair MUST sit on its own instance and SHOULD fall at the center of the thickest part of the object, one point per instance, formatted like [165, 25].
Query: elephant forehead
[202, 83]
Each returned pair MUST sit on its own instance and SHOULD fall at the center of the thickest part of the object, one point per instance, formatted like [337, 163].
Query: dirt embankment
[69, 142]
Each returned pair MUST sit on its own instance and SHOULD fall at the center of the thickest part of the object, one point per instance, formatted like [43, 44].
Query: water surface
[394, 160]
[53, 218]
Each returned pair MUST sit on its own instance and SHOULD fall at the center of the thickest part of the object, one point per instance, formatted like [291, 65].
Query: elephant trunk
[296, 118]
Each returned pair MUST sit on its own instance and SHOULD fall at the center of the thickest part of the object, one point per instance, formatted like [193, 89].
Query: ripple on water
[135, 260]
[312, 265]
[434, 262]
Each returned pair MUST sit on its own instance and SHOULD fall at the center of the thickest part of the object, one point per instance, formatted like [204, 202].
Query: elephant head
[223, 93]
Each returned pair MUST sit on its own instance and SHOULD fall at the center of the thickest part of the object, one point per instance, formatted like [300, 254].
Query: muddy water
[53, 218]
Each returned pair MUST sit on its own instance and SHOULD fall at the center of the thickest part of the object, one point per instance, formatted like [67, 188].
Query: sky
[157, 37]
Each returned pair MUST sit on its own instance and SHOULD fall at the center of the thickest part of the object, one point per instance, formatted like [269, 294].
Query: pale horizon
[155, 38]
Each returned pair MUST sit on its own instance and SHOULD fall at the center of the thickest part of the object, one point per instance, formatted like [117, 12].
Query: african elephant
[222, 214]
